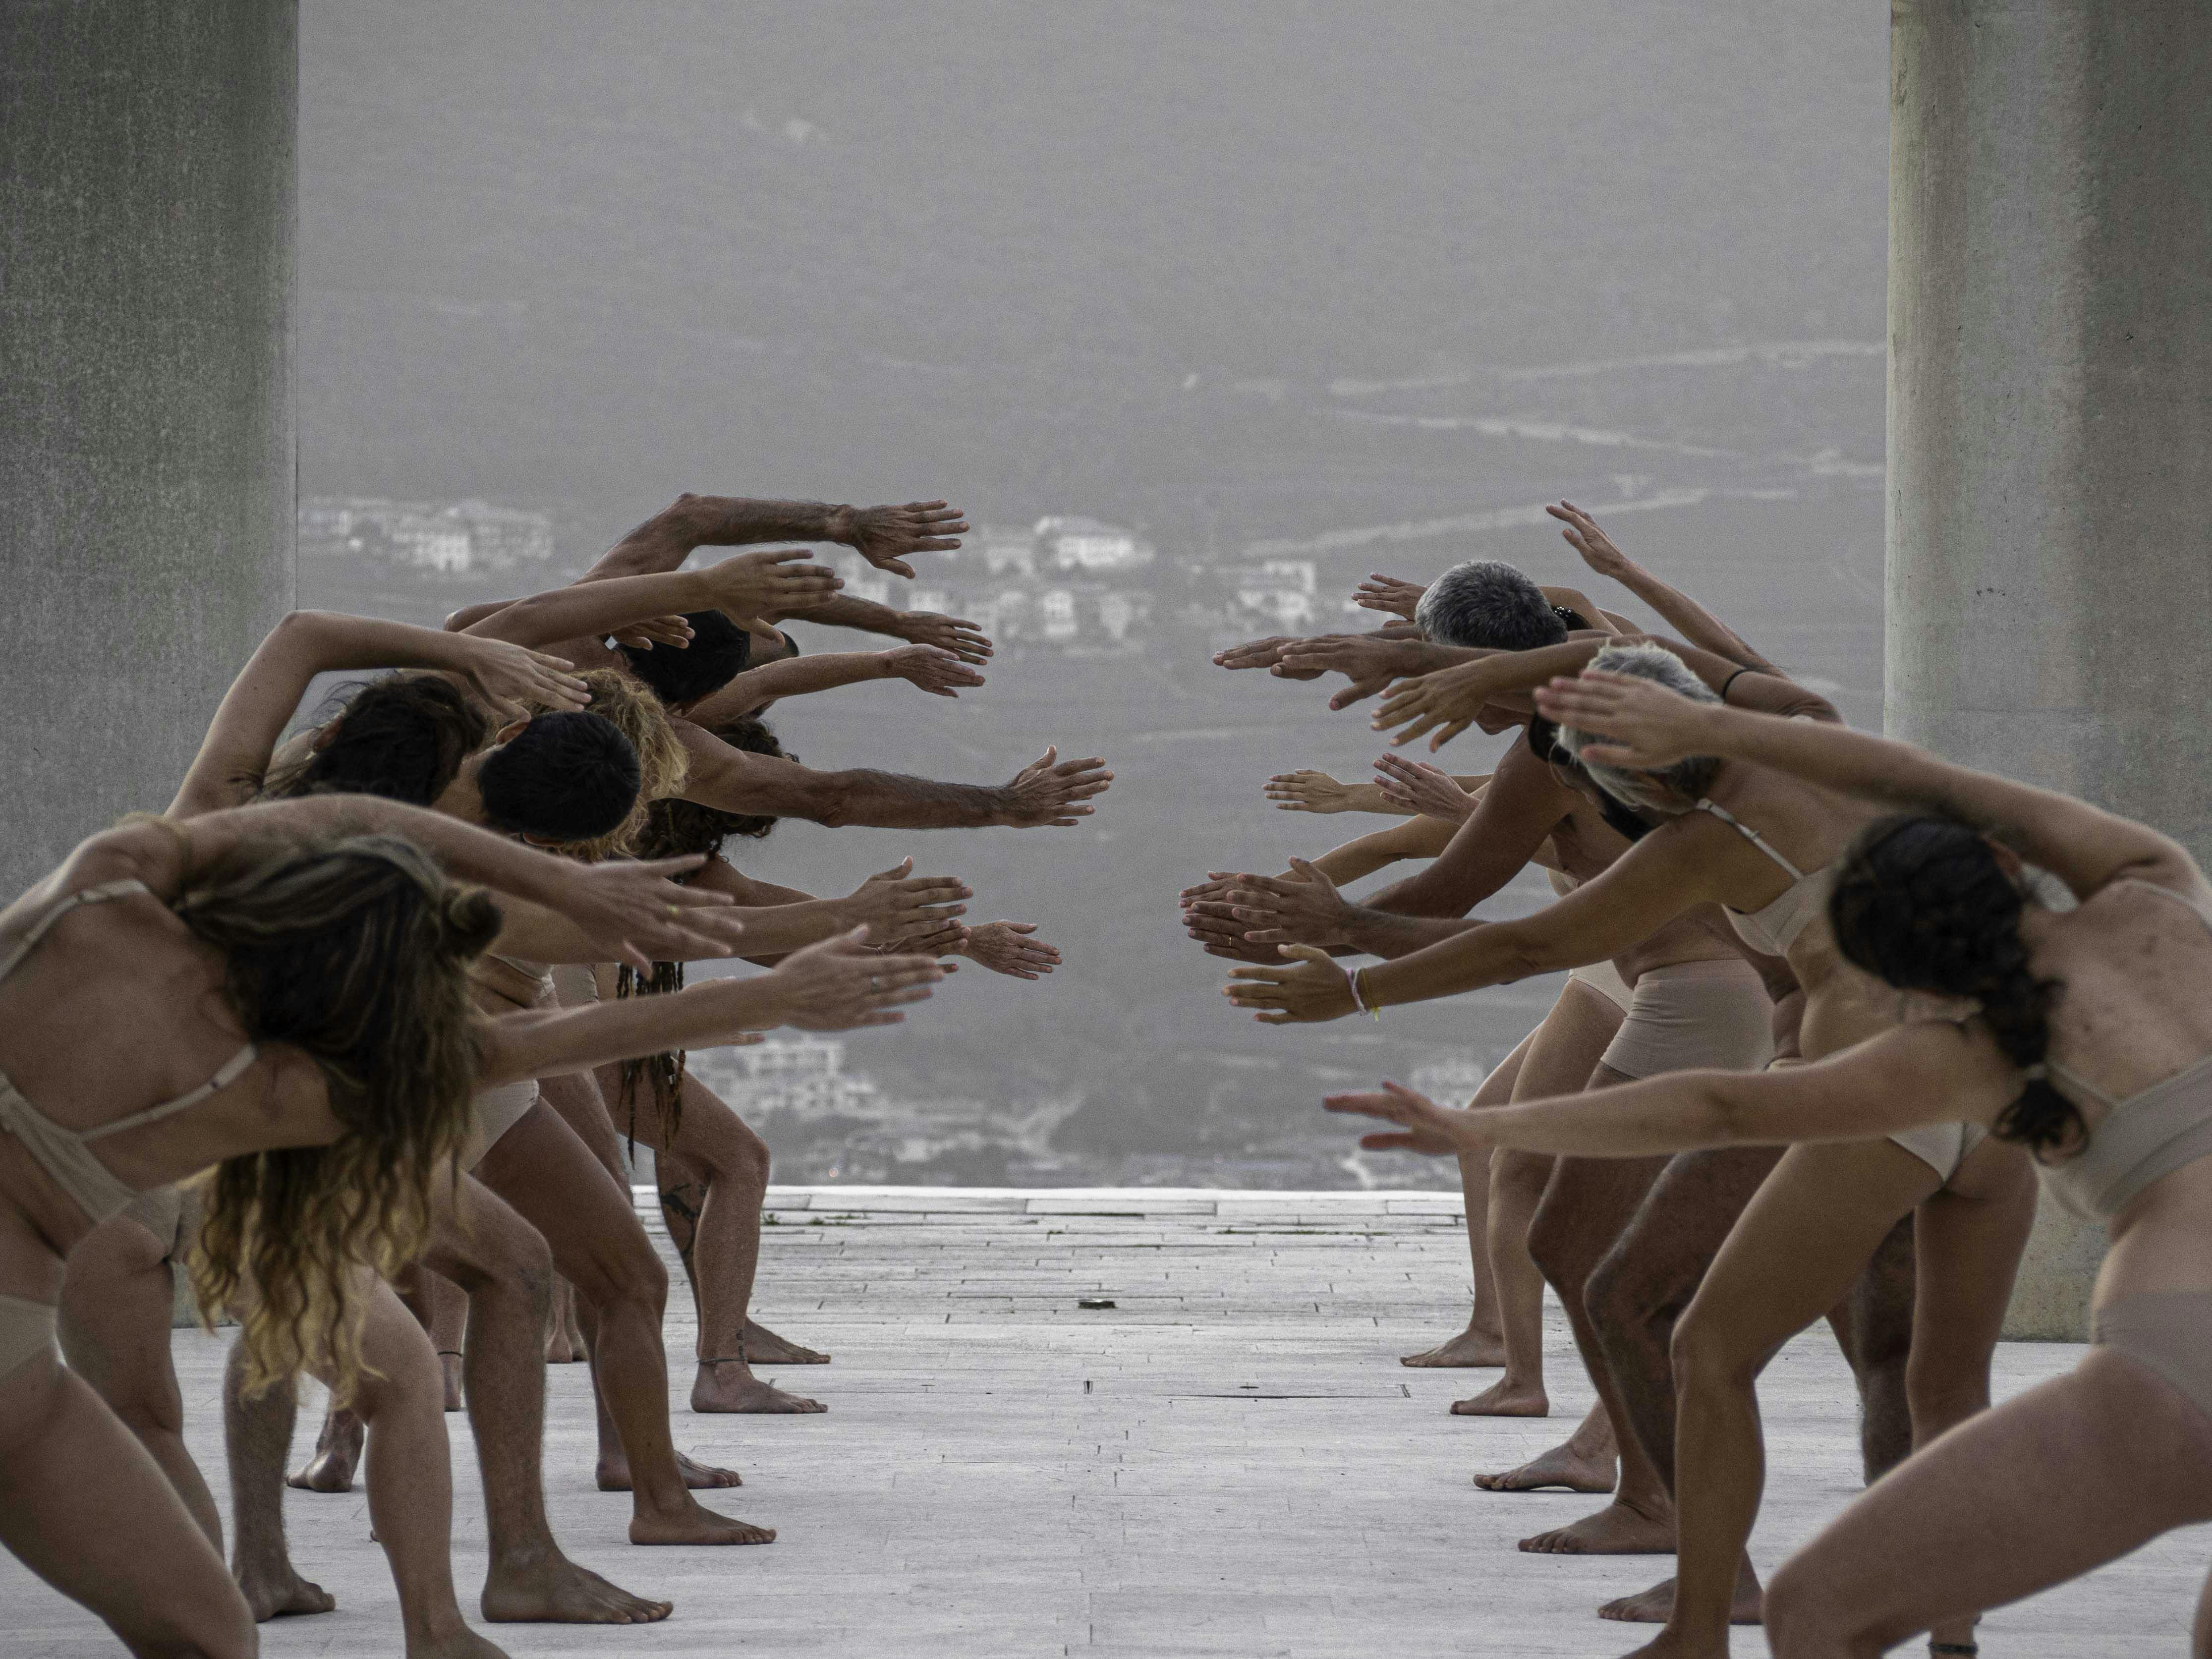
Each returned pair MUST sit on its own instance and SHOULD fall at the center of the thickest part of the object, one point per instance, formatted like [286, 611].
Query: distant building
[1003, 549]
[450, 540]
[802, 1075]
[1280, 590]
[1079, 544]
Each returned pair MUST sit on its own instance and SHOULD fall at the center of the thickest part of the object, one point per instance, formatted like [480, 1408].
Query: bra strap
[2193, 906]
[1749, 835]
[62, 907]
[232, 1069]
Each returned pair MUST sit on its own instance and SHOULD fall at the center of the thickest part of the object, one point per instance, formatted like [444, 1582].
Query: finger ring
[874, 984]
[674, 910]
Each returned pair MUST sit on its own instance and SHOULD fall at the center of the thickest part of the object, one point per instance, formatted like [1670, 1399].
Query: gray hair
[1490, 604]
[1665, 789]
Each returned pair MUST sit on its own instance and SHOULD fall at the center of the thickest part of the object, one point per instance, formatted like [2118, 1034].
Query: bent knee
[221, 1628]
[1703, 1349]
[624, 1271]
[1808, 1612]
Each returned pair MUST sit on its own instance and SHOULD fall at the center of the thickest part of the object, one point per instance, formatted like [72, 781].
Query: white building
[1069, 543]
[802, 1075]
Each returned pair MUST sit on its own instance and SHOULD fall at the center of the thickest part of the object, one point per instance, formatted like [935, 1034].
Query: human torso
[1587, 847]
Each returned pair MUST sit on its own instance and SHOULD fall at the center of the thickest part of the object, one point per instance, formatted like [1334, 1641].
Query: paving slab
[1231, 1461]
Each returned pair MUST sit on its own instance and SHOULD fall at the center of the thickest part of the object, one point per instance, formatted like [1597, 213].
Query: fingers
[1360, 690]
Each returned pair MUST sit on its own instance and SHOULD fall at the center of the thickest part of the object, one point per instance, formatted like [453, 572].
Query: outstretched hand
[775, 581]
[1597, 547]
[673, 632]
[839, 984]
[1445, 701]
[637, 914]
[1209, 918]
[1420, 787]
[1005, 947]
[1263, 654]
[1305, 909]
[1053, 791]
[1305, 989]
[1388, 594]
[897, 904]
[886, 536]
[1424, 1126]
[1369, 663]
[1645, 725]
[932, 669]
[512, 679]
[1309, 792]
[963, 639]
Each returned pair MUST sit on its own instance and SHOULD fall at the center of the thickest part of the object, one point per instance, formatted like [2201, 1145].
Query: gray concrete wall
[147, 205]
[2050, 511]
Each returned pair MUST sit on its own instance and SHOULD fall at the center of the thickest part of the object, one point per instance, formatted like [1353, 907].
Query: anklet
[456, 1352]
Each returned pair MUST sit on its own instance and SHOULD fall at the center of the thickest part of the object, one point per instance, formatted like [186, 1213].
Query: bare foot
[1616, 1529]
[1656, 1605]
[731, 1385]
[337, 1453]
[695, 1525]
[557, 1590]
[279, 1592]
[451, 1362]
[1470, 1349]
[1505, 1398]
[614, 1475]
[1562, 1466]
[459, 1643]
[762, 1347]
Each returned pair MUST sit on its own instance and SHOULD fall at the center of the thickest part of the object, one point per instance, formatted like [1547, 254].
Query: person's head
[355, 951]
[662, 761]
[403, 737]
[1544, 740]
[719, 652]
[675, 826]
[560, 778]
[1488, 604]
[1929, 904]
[1673, 789]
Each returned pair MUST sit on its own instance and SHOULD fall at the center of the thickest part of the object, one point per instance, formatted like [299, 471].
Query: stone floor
[1228, 1461]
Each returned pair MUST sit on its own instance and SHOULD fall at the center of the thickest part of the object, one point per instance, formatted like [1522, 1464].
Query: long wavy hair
[1923, 903]
[355, 950]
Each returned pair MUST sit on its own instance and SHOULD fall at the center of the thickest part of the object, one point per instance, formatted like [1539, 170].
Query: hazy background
[1360, 285]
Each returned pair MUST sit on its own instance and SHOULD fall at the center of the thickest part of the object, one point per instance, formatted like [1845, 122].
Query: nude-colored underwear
[1694, 1015]
[161, 1212]
[1605, 979]
[1941, 1146]
[497, 1110]
[2166, 1331]
[26, 1330]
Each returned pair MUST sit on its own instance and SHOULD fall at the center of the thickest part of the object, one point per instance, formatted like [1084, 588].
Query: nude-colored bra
[1774, 927]
[66, 1154]
[2145, 1137]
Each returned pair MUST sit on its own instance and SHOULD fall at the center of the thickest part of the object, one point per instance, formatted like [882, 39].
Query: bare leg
[257, 1432]
[117, 1293]
[1479, 1344]
[546, 1172]
[504, 1268]
[564, 1338]
[2071, 1475]
[84, 1506]
[1803, 1240]
[441, 1308]
[725, 1252]
[1586, 1206]
[1568, 1047]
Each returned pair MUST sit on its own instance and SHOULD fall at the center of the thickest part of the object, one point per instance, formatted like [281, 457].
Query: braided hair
[1923, 903]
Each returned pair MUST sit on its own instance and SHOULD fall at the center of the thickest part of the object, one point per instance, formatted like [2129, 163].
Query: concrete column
[2050, 513]
[147, 189]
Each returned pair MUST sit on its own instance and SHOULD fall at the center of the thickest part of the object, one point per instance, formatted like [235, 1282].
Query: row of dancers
[354, 1031]
[1834, 1005]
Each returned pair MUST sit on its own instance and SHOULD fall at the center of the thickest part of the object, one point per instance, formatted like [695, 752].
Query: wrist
[840, 524]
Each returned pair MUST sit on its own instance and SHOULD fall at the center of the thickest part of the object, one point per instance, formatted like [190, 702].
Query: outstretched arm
[1695, 624]
[835, 986]
[1916, 1074]
[937, 672]
[748, 586]
[2084, 845]
[1046, 791]
[954, 634]
[884, 536]
[263, 699]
